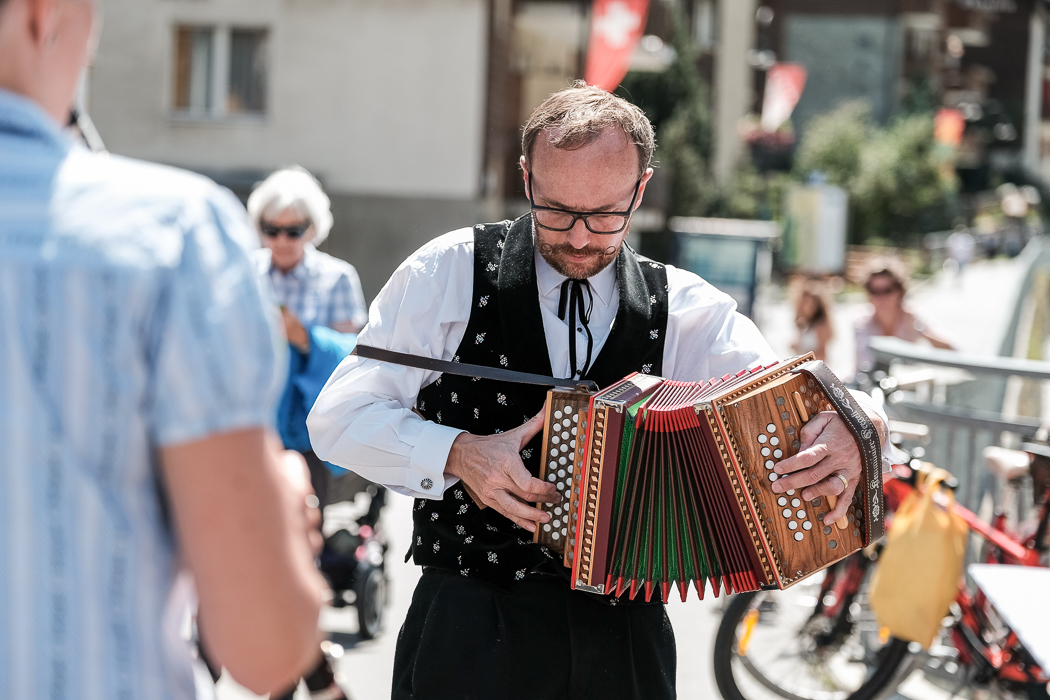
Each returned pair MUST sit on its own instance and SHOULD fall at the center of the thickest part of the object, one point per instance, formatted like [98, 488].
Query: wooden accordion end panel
[763, 428]
[564, 444]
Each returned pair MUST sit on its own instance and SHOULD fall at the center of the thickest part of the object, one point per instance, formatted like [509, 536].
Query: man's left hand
[827, 449]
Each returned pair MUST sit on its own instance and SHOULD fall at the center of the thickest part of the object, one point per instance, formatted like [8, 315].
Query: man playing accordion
[556, 293]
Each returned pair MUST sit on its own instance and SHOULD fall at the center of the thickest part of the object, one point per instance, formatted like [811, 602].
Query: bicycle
[820, 641]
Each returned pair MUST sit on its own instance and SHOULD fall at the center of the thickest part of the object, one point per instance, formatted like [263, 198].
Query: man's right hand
[491, 466]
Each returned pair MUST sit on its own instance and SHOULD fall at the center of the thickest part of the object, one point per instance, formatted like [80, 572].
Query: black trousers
[466, 640]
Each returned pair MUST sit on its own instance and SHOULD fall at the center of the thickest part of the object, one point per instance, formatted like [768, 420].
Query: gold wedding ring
[845, 481]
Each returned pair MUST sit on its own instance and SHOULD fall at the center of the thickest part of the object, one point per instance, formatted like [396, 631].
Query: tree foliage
[894, 175]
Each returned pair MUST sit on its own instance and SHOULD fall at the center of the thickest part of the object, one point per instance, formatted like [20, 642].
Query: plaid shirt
[321, 290]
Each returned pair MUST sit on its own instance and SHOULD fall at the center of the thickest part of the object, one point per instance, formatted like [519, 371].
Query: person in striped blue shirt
[140, 365]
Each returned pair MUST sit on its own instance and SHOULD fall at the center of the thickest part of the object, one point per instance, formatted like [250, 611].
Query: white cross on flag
[616, 28]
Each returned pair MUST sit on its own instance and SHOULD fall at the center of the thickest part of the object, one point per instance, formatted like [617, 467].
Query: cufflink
[427, 484]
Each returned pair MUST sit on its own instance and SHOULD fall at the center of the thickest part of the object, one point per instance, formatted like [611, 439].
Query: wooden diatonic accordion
[667, 484]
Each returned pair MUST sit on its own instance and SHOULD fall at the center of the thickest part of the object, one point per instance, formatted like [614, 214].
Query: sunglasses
[296, 231]
[882, 291]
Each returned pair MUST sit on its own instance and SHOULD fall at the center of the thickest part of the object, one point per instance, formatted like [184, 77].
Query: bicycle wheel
[784, 644]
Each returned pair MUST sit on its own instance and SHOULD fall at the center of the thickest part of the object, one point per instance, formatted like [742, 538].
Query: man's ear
[641, 187]
[524, 172]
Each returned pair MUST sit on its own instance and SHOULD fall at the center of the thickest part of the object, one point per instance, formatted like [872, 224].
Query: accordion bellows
[667, 484]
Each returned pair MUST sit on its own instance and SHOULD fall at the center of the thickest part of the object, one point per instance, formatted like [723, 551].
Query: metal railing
[963, 407]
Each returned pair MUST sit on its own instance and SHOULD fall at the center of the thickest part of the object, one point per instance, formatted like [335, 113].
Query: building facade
[384, 100]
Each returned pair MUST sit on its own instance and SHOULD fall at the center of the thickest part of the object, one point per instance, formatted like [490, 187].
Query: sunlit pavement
[971, 310]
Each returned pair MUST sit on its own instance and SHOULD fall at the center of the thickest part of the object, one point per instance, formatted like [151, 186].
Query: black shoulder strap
[465, 370]
[867, 440]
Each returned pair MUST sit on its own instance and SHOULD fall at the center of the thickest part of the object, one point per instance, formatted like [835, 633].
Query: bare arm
[242, 530]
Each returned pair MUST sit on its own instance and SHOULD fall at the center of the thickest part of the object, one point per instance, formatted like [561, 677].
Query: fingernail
[546, 517]
[777, 488]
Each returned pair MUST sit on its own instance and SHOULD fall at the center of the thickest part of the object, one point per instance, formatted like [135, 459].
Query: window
[220, 71]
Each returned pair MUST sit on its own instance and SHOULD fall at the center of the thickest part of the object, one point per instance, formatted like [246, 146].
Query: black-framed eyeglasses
[601, 222]
[294, 231]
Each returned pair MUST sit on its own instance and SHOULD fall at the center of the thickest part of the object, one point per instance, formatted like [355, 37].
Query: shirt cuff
[426, 476]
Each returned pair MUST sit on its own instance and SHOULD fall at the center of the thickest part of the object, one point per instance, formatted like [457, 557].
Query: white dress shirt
[363, 419]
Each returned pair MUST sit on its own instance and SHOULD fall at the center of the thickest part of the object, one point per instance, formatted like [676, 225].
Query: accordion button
[801, 515]
[832, 544]
[807, 525]
[778, 454]
[827, 530]
[765, 452]
[568, 410]
[787, 513]
[769, 464]
[798, 536]
[761, 438]
[795, 503]
[792, 525]
[546, 527]
[782, 501]
[557, 414]
[791, 492]
[774, 441]
[772, 477]
[771, 429]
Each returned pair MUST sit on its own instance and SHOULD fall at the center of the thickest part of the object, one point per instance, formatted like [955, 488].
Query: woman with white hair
[323, 308]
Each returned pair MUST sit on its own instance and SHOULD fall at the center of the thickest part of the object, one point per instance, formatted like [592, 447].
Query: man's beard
[557, 256]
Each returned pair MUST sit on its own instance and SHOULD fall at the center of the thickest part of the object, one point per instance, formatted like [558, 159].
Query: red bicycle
[819, 640]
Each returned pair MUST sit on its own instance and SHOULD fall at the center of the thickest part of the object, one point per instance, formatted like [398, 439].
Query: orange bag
[918, 571]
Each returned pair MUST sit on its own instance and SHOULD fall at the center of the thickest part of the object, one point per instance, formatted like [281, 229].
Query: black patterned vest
[506, 330]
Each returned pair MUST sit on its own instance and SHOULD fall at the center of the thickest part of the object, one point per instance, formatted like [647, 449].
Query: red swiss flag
[616, 28]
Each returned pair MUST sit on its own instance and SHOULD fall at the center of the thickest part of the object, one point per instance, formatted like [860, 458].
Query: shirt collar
[549, 280]
[21, 116]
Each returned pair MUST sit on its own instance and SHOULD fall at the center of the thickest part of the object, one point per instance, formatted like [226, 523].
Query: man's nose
[578, 235]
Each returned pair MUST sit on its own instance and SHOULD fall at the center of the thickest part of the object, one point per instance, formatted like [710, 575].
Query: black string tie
[572, 297]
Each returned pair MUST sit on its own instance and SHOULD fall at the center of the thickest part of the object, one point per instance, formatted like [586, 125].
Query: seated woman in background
[886, 284]
[813, 320]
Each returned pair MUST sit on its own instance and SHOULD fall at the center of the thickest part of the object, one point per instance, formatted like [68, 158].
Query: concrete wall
[378, 97]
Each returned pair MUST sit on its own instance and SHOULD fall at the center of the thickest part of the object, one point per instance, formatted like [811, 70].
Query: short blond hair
[577, 116]
[293, 188]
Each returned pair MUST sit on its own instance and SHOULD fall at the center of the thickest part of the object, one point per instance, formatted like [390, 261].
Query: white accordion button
[792, 525]
[771, 429]
[801, 515]
[807, 525]
[765, 451]
[795, 503]
[798, 536]
[774, 441]
[557, 414]
[782, 501]
[787, 513]
[762, 438]
[778, 454]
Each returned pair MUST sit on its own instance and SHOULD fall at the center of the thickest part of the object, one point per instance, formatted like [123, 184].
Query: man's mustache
[568, 249]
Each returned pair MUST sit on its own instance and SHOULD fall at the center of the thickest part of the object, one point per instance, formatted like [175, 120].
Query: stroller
[354, 556]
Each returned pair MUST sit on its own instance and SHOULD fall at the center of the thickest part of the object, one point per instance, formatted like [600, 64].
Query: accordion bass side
[668, 484]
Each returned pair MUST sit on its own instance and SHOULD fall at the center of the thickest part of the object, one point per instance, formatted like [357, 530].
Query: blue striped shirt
[131, 318]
